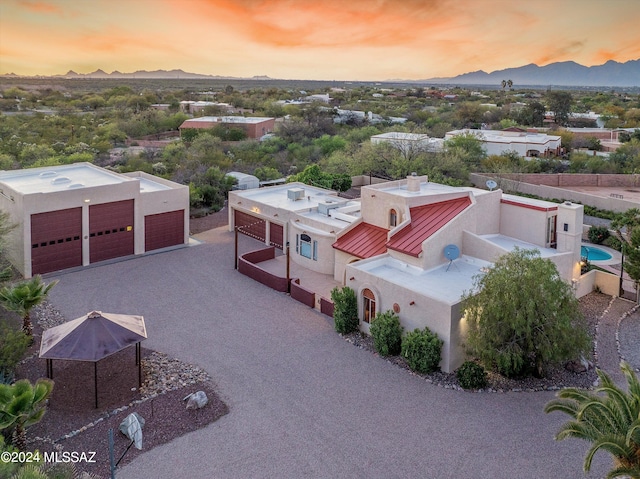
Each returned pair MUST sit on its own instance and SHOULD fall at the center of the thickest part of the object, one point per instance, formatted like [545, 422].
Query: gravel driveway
[303, 402]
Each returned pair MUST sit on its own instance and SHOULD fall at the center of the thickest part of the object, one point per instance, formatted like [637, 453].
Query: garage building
[76, 215]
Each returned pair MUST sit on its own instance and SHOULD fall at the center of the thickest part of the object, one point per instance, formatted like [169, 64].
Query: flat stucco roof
[228, 119]
[440, 283]
[426, 189]
[509, 244]
[59, 178]
[276, 196]
[147, 185]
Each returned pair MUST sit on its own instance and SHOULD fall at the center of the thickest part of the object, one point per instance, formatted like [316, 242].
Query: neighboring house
[409, 143]
[244, 181]
[255, 127]
[348, 116]
[525, 143]
[190, 106]
[390, 246]
[80, 214]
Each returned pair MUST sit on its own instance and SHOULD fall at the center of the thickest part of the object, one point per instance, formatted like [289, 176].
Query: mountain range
[610, 74]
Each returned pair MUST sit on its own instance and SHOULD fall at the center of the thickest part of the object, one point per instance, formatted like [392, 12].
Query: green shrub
[421, 349]
[471, 375]
[613, 242]
[345, 310]
[13, 346]
[597, 234]
[7, 468]
[387, 334]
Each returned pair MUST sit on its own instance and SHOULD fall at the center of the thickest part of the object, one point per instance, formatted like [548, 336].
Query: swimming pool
[593, 253]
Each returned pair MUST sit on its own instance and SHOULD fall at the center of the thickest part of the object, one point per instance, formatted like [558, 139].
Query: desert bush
[613, 242]
[597, 234]
[421, 349]
[387, 333]
[13, 346]
[471, 375]
[345, 310]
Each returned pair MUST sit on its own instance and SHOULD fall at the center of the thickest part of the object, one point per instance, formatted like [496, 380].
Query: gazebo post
[139, 363]
[50, 368]
[95, 380]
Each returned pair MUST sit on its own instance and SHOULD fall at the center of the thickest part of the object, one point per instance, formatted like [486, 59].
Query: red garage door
[164, 229]
[56, 240]
[110, 230]
[250, 225]
[276, 235]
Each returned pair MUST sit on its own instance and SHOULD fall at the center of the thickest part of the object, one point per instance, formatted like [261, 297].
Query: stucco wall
[613, 204]
[525, 224]
[607, 283]
[424, 312]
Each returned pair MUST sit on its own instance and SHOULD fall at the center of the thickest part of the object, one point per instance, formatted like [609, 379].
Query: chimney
[413, 183]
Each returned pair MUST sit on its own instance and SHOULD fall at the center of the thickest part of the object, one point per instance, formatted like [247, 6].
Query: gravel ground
[72, 423]
[593, 306]
[209, 222]
[629, 339]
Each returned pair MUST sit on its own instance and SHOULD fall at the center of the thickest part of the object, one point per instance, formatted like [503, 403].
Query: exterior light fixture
[87, 200]
[352, 278]
[412, 303]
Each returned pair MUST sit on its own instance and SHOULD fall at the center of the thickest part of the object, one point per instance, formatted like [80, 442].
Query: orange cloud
[41, 7]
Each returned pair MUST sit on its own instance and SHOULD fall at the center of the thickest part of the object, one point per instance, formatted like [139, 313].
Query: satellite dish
[451, 252]
[491, 184]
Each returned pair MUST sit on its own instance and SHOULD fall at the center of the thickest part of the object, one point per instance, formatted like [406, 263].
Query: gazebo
[93, 337]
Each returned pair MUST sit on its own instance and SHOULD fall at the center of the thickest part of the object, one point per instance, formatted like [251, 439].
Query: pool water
[594, 254]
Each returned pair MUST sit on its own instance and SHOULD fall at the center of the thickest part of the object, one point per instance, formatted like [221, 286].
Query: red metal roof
[425, 221]
[363, 241]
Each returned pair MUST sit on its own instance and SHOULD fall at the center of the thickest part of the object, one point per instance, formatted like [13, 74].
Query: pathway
[608, 356]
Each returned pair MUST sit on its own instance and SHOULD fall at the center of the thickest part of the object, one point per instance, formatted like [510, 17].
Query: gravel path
[629, 339]
[608, 357]
[303, 402]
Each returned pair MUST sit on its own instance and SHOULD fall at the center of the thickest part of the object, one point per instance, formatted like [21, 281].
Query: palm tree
[610, 422]
[504, 84]
[21, 405]
[509, 84]
[23, 297]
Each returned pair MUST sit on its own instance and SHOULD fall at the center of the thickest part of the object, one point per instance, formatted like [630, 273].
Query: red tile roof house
[254, 126]
[390, 248]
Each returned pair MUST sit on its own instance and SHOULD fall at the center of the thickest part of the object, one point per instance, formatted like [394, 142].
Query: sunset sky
[304, 39]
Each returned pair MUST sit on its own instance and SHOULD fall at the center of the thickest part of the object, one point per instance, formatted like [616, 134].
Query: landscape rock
[197, 400]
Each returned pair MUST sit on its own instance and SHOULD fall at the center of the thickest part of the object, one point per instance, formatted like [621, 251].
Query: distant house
[409, 142]
[244, 181]
[525, 143]
[190, 106]
[255, 127]
[391, 246]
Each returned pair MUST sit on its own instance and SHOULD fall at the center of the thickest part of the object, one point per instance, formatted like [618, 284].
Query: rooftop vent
[48, 174]
[76, 185]
[61, 180]
[413, 183]
[295, 194]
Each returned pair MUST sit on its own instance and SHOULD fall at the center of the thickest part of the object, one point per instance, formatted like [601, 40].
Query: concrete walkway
[304, 402]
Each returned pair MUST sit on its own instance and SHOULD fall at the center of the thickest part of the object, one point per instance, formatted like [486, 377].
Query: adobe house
[254, 126]
[80, 214]
[524, 143]
[411, 246]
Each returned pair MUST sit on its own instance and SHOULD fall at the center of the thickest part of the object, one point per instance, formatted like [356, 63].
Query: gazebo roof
[92, 337]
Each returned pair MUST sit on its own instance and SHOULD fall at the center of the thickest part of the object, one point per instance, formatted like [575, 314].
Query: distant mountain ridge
[156, 74]
[611, 73]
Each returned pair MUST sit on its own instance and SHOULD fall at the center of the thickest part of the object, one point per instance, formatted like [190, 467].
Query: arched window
[393, 218]
[369, 301]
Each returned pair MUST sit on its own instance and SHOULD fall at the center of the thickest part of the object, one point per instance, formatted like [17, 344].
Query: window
[369, 301]
[393, 218]
[307, 247]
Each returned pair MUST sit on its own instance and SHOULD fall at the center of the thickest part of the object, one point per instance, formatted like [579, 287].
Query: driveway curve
[304, 402]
